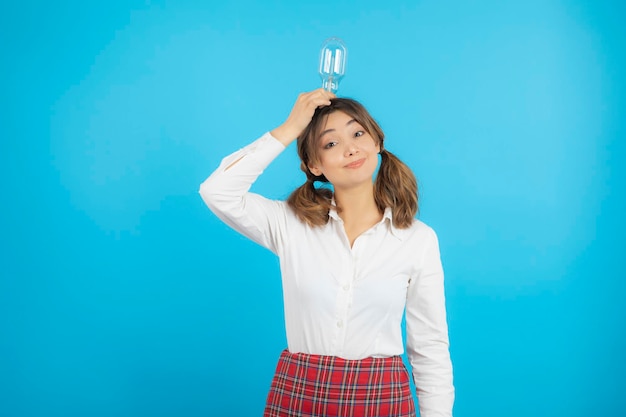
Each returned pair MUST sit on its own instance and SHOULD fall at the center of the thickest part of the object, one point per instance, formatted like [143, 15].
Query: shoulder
[293, 218]
[418, 231]
[274, 210]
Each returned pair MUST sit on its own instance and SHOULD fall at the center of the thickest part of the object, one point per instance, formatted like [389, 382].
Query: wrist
[284, 134]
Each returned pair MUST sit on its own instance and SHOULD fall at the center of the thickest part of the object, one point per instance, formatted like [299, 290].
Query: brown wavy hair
[395, 185]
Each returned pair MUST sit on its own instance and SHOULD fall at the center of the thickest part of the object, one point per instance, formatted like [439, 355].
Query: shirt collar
[387, 218]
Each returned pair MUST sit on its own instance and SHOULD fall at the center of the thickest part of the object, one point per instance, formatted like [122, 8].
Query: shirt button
[346, 287]
[340, 324]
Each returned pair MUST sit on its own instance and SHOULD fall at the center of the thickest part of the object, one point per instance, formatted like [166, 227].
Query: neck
[357, 204]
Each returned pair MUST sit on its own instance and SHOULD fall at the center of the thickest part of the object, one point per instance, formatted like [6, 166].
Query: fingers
[307, 103]
[318, 98]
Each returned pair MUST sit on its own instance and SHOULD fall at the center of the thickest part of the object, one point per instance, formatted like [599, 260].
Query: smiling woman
[344, 135]
[345, 149]
[353, 261]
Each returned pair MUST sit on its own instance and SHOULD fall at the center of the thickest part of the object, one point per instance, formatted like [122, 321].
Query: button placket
[342, 304]
[345, 295]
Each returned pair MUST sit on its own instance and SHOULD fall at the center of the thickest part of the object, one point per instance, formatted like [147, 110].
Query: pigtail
[311, 204]
[396, 187]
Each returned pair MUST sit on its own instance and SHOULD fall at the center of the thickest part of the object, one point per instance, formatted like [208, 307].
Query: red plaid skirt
[327, 386]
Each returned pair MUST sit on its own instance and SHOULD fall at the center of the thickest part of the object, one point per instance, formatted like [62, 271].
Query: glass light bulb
[332, 63]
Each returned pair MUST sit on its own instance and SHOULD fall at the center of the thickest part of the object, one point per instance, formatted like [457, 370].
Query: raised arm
[226, 190]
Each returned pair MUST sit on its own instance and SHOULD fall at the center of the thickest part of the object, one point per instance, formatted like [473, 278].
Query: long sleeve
[226, 193]
[427, 335]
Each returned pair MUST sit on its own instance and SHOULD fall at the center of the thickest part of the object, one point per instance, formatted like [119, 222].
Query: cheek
[331, 157]
[375, 146]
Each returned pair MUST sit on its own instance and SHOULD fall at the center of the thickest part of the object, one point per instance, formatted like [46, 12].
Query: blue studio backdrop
[121, 294]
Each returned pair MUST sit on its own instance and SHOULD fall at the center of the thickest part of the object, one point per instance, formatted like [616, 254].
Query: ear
[315, 170]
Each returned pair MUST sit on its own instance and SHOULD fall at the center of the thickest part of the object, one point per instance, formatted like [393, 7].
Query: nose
[351, 149]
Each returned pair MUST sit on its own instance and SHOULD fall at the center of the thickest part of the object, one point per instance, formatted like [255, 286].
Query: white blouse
[340, 300]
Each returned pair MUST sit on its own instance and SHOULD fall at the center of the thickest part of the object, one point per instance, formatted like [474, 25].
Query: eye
[359, 133]
[330, 145]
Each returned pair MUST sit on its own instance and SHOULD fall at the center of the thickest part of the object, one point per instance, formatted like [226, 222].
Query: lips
[356, 164]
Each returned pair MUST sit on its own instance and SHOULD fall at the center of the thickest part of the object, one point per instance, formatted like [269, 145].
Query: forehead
[336, 120]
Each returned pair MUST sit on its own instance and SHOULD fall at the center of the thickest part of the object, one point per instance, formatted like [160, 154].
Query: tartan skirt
[326, 386]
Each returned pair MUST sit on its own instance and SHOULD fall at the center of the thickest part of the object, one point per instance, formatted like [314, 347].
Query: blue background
[122, 295]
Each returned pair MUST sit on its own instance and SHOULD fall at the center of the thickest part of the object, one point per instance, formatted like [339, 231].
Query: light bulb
[332, 63]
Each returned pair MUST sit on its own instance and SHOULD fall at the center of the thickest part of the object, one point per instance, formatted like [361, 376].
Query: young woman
[353, 259]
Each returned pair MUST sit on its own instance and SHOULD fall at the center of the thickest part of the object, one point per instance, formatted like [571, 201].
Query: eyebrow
[332, 130]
